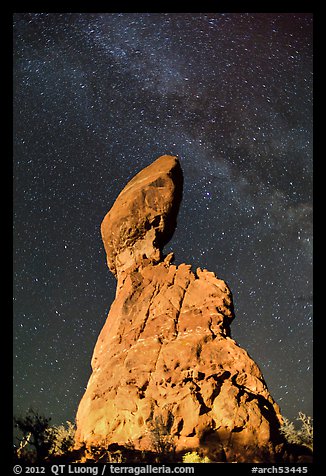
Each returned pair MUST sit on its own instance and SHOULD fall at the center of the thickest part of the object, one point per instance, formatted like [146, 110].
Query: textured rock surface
[166, 351]
[143, 218]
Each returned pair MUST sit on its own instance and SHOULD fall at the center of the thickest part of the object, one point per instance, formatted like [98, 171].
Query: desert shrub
[302, 436]
[36, 441]
[194, 457]
[62, 438]
[98, 453]
[161, 439]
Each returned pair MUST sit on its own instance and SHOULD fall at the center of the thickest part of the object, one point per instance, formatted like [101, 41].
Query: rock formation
[143, 217]
[165, 351]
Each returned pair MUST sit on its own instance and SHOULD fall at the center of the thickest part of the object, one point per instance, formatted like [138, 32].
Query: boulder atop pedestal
[165, 353]
[143, 217]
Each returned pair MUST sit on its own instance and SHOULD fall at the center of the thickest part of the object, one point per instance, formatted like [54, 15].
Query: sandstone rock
[165, 350]
[143, 217]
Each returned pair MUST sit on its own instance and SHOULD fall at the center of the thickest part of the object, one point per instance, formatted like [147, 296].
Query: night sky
[97, 97]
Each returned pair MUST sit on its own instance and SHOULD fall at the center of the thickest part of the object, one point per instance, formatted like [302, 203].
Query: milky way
[97, 97]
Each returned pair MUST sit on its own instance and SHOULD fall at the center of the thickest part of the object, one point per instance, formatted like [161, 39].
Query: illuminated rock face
[143, 217]
[165, 350]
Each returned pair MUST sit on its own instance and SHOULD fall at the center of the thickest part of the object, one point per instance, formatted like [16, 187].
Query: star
[99, 96]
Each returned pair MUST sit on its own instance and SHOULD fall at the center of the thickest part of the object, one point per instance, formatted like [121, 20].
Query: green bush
[161, 440]
[194, 457]
[62, 438]
[302, 436]
[38, 441]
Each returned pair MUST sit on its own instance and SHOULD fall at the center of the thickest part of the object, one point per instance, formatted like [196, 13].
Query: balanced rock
[165, 352]
[143, 218]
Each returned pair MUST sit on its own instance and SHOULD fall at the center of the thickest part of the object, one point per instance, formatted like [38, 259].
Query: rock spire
[165, 351]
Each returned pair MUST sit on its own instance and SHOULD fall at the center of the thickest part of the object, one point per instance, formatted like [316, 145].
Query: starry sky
[99, 96]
